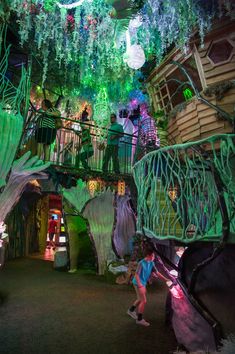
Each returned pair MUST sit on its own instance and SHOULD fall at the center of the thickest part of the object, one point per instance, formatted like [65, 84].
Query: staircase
[165, 221]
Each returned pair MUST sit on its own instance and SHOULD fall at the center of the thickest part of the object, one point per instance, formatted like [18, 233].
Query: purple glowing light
[176, 292]
[133, 103]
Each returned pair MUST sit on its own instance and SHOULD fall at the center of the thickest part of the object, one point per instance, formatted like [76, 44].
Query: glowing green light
[188, 94]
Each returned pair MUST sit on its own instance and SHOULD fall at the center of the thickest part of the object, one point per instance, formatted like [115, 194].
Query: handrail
[89, 126]
[67, 148]
[92, 134]
[187, 145]
[86, 123]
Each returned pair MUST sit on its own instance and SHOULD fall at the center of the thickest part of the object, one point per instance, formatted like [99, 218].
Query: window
[220, 51]
[174, 89]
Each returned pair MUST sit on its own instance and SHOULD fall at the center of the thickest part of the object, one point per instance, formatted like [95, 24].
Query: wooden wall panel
[191, 136]
[184, 117]
[188, 124]
[215, 132]
[198, 121]
[215, 73]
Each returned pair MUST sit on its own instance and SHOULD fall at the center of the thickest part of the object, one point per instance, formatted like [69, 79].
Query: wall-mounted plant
[219, 90]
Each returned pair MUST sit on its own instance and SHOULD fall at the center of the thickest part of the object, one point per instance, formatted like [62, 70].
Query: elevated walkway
[65, 152]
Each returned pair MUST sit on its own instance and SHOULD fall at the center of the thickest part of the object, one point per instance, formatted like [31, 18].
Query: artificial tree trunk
[100, 214]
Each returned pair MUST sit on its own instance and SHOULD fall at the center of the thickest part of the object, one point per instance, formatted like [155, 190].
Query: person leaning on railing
[47, 124]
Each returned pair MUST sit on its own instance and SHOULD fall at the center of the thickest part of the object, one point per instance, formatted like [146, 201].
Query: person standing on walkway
[52, 228]
[47, 125]
[115, 132]
[87, 150]
[145, 268]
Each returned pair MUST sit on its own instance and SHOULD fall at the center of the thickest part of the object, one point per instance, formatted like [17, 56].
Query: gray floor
[54, 312]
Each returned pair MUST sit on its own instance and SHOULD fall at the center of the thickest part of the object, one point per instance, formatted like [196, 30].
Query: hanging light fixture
[92, 186]
[172, 192]
[134, 56]
[95, 185]
[121, 187]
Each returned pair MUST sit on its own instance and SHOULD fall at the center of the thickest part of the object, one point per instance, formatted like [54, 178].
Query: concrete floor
[53, 312]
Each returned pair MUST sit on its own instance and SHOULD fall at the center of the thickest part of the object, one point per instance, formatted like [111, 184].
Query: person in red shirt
[52, 230]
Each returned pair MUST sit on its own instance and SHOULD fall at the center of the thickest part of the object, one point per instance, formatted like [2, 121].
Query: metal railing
[66, 148]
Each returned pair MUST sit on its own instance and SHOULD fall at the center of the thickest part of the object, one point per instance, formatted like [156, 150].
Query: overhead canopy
[87, 39]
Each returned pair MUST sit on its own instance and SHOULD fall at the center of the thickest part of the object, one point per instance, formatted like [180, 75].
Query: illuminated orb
[136, 22]
[134, 57]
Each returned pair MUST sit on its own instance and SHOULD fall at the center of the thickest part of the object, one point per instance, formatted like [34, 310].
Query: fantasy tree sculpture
[100, 220]
[14, 175]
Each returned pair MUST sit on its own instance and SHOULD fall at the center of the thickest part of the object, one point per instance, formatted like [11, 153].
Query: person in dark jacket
[115, 132]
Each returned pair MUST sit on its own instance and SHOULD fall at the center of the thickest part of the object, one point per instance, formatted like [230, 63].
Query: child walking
[143, 272]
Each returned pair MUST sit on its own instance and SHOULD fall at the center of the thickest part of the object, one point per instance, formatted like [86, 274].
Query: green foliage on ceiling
[87, 42]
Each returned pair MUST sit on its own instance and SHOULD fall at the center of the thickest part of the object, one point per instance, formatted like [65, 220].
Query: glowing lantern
[172, 193]
[188, 94]
[34, 183]
[92, 186]
[134, 56]
[121, 187]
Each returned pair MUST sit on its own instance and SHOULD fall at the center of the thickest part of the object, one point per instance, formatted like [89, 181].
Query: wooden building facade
[212, 69]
